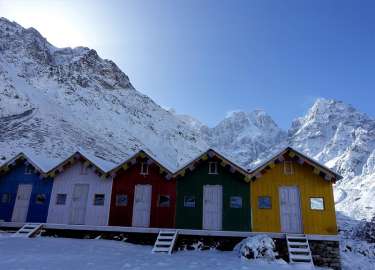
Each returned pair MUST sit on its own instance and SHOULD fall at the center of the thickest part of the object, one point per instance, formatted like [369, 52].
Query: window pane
[189, 201]
[164, 201]
[264, 202]
[61, 199]
[235, 202]
[212, 168]
[99, 199]
[317, 203]
[40, 199]
[5, 198]
[121, 200]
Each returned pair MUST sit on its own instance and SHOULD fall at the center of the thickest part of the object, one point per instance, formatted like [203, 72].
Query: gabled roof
[329, 174]
[211, 153]
[74, 158]
[141, 153]
[21, 156]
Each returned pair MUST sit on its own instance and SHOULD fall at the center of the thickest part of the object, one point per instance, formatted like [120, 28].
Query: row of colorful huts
[289, 193]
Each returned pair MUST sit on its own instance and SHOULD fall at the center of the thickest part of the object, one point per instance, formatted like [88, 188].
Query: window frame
[29, 170]
[65, 195]
[270, 202]
[169, 201]
[84, 169]
[195, 201]
[8, 198]
[143, 166]
[36, 198]
[230, 202]
[216, 170]
[291, 167]
[316, 209]
[121, 205]
[95, 197]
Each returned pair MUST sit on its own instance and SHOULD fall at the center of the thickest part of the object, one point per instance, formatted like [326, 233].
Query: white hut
[81, 192]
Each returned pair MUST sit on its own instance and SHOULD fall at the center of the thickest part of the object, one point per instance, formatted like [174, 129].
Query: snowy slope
[55, 101]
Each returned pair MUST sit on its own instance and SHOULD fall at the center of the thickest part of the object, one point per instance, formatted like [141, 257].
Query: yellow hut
[291, 193]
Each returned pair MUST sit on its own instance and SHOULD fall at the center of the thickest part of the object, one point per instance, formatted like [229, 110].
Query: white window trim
[84, 169]
[215, 166]
[143, 170]
[29, 170]
[290, 164]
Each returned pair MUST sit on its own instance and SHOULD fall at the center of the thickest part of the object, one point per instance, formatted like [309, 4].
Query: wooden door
[290, 210]
[79, 204]
[22, 202]
[142, 206]
[212, 207]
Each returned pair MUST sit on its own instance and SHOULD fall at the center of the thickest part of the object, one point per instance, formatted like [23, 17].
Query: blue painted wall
[9, 184]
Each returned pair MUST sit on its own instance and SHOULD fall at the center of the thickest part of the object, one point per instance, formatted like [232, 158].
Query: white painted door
[79, 204]
[21, 205]
[142, 206]
[290, 210]
[212, 207]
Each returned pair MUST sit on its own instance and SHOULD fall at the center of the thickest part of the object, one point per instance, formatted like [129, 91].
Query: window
[235, 202]
[212, 167]
[40, 199]
[144, 168]
[121, 200]
[61, 199]
[29, 169]
[317, 203]
[264, 202]
[99, 199]
[189, 201]
[83, 169]
[288, 168]
[164, 201]
[5, 198]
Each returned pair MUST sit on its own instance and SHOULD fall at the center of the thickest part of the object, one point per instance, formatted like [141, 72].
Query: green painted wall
[234, 219]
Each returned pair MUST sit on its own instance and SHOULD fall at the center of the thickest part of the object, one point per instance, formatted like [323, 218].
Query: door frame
[72, 204]
[28, 205]
[219, 190]
[299, 210]
[149, 201]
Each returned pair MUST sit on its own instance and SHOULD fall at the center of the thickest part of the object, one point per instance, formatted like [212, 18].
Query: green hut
[213, 193]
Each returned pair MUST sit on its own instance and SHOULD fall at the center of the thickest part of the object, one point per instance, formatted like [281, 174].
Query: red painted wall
[124, 183]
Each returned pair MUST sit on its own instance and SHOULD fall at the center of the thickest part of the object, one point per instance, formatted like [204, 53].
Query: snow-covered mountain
[56, 101]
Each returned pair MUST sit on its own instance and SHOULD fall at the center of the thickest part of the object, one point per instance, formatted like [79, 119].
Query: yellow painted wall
[310, 185]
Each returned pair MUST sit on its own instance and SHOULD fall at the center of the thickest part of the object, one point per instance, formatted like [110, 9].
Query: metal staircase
[165, 241]
[28, 230]
[299, 249]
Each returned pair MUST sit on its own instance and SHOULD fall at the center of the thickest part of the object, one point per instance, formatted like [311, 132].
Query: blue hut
[25, 191]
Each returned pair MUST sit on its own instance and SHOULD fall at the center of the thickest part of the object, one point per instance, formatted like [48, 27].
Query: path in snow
[45, 253]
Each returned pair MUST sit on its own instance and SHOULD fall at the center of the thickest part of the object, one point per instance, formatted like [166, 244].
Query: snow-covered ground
[70, 254]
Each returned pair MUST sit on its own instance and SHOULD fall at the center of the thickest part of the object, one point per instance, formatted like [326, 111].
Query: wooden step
[299, 249]
[28, 230]
[165, 241]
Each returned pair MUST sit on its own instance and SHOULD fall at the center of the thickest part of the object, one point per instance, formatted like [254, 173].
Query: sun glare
[61, 27]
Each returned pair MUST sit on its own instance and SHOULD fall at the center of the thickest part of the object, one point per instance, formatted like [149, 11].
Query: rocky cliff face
[55, 101]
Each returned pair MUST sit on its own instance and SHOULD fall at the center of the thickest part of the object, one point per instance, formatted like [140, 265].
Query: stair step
[165, 241]
[28, 230]
[299, 250]
[161, 249]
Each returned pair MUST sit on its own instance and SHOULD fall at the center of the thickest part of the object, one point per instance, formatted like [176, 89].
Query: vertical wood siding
[309, 184]
[124, 183]
[234, 219]
[64, 184]
[9, 184]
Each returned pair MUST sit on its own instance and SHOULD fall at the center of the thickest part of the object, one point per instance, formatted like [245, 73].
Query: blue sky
[205, 58]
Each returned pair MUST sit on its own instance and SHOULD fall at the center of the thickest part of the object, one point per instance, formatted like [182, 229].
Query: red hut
[143, 194]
